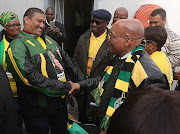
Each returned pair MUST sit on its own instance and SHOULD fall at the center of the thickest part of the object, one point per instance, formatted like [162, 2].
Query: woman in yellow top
[9, 20]
[155, 38]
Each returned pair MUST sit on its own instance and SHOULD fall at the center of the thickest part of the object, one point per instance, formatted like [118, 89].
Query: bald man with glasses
[92, 52]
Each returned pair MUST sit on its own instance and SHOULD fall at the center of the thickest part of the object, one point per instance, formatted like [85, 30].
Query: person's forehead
[155, 18]
[115, 29]
[50, 11]
[39, 16]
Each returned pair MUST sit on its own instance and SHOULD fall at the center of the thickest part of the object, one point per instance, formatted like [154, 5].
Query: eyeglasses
[97, 22]
[14, 26]
[113, 36]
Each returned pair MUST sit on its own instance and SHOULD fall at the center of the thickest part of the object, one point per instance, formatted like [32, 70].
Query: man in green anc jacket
[40, 69]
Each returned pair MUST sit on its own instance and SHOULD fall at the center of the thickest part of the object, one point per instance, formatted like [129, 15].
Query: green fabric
[76, 129]
[123, 77]
[1, 51]
[19, 48]
[6, 17]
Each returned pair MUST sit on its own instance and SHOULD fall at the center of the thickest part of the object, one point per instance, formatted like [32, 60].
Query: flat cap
[101, 14]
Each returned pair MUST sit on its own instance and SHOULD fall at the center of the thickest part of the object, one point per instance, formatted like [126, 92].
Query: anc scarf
[121, 84]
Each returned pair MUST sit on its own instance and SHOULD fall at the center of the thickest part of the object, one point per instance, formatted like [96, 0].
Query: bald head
[49, 9]
[50, 14]
[126, 34]
[120, 13]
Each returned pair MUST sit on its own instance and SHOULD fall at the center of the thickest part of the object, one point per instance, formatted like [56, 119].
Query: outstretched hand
[75, 88]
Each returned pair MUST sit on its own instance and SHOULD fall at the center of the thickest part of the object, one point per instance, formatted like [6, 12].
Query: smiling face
[12, 28]
[36, 24]
[98, 26]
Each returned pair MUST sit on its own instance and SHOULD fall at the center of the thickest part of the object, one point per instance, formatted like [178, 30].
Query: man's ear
[164, 21]
[26, 20]
[128, 41]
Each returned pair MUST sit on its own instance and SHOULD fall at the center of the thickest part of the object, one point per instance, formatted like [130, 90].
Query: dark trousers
[19, 114]
[57, 123]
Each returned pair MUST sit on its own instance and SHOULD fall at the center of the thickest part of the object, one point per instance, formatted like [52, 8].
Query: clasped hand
[75, 88]
[55, 30]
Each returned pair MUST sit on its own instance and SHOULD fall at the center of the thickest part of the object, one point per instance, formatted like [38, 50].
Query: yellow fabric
[138, 74]
[6, 44]
[122, 85]
[110, 111]
[49, 41]
[162, 61]
[110, 68]
[30, 42]
[16, 68]
[41, 41]
[11, 80]
[95, 44]
[43, 65]
[129, 59]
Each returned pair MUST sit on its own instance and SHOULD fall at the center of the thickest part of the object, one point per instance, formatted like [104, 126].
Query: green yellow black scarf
[121, 84]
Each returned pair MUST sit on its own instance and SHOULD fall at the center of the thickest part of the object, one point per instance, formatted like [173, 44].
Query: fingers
[75, 87]
[177, 75]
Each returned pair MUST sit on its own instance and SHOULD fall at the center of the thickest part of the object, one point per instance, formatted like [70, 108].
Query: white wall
[20, 6]
[171, 7]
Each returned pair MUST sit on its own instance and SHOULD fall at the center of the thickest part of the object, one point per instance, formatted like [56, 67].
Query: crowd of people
[123, 77]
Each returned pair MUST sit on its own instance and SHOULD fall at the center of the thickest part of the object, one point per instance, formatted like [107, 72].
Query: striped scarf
[121, 84]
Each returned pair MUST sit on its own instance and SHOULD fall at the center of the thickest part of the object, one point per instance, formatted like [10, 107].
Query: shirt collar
[125, 56]
[26, 31]
[100, 37]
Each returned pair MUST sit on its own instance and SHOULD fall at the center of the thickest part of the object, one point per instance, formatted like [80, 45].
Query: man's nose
[42, 25]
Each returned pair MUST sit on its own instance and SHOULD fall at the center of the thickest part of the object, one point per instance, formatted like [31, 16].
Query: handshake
[75, 88]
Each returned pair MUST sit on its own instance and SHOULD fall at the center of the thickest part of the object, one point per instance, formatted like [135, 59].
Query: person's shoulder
[86, 34]
[58, 24]
[173, 36]
[18, 40]
[50, 40]
[149, 65]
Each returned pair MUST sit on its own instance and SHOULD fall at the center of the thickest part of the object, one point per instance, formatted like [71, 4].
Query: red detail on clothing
[26, 31]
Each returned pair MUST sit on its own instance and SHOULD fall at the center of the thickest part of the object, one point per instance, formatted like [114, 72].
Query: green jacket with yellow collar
[33, 68]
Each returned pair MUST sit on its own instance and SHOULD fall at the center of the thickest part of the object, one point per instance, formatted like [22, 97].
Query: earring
[150, 48]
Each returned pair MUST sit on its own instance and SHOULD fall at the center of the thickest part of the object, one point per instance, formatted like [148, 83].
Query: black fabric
[155, 78]
[1, 34]
[54, 36]
[102, 14]
[57, 122]
[102, 59]
[8, 114]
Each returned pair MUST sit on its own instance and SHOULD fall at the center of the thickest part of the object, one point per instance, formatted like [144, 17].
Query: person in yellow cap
[9, 20]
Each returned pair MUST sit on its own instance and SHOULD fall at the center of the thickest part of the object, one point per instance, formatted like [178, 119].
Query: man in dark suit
[57, 32]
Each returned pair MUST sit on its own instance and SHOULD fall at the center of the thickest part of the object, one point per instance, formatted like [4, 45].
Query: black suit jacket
[54, 36]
